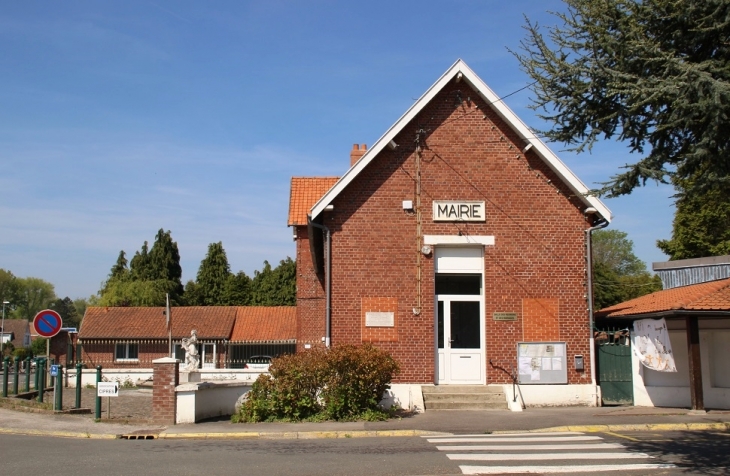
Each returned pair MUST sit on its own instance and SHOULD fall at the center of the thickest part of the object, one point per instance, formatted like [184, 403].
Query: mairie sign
[446, 210]
[47, 323]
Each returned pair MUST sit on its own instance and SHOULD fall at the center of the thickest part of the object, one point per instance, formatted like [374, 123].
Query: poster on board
[541, 363]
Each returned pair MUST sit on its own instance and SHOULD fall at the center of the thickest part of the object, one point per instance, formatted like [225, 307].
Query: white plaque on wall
[450, 210]
[379, 319]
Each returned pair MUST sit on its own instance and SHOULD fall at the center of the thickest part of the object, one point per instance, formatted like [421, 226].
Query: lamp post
[2, 331]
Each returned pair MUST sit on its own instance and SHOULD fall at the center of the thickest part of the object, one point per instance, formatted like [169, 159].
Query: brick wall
[538, 258]
[164, 380]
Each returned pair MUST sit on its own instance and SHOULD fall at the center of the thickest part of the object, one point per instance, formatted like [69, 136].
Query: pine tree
[213, 275]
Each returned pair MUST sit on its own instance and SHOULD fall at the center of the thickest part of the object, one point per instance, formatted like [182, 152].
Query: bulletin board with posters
[542, 363]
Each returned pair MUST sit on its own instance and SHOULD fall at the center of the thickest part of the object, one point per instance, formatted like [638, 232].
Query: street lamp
[2, 332]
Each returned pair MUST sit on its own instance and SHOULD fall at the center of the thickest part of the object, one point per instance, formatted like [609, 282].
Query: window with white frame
[126, 351]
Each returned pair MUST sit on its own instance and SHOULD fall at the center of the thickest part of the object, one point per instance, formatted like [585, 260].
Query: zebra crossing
[541, 453]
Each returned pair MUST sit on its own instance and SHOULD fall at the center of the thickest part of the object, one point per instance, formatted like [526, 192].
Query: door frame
[445, 355]
[447, 260]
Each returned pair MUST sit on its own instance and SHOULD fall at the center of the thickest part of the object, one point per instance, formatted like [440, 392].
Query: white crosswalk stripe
[538, 453]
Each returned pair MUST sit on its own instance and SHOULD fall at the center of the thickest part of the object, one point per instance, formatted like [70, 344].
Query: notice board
[542, 363]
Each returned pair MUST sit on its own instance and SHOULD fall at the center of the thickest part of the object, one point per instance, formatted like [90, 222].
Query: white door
[460, 347]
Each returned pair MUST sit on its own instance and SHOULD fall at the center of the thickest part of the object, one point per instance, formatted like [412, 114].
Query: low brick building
[457, 236]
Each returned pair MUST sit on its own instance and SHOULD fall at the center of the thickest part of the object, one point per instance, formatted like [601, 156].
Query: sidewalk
[454, 422]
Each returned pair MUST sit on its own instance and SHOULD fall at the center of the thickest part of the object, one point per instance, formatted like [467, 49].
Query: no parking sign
[47, 323]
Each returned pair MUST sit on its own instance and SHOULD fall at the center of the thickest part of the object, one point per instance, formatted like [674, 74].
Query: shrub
[346, 382]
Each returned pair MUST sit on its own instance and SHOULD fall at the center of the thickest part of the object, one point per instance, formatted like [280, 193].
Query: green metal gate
[614, 367]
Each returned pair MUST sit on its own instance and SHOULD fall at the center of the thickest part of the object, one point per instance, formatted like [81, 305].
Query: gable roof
[211, 322]
[713, 296]
[265, 324]
[19, 328]
[305, 191]
[464, 73]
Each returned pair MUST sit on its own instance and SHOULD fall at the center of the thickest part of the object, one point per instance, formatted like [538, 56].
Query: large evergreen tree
[651, 73]
[701, 223]
[67, 310]
[275, 287]
[213, 276]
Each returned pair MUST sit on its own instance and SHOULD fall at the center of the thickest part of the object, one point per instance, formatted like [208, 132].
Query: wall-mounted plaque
[505, 316]
[456, 210]
[379, 319]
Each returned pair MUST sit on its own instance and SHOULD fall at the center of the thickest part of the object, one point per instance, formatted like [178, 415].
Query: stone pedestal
[189, 377]
[164, 380]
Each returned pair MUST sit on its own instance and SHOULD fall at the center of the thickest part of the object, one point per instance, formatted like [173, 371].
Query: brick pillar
[164, 380]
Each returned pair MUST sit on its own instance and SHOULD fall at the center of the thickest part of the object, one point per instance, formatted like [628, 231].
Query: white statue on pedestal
[192, 358]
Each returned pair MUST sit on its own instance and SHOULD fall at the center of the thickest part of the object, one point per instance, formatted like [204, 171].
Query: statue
[192, 359]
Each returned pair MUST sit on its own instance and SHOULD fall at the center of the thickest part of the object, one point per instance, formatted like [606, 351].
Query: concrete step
[465, 406]
[463, 397]
[430, 389]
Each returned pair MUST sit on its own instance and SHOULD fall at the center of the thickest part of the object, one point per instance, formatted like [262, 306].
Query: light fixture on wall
[426, 250]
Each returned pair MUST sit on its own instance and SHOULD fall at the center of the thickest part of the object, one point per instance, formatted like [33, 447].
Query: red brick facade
[536, 267]
[164, 401]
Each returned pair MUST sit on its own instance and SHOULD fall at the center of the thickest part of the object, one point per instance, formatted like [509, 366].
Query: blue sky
[121, 118]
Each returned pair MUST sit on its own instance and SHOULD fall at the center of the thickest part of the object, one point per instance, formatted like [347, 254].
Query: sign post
[107, 389]
[47, 324]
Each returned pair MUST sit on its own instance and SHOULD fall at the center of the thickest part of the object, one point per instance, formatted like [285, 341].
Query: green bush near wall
[342, 383]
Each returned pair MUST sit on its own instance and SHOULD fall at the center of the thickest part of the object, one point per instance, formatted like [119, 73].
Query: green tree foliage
[651, 73]
[275, 287]
[9, 287]
[34, 295]
[618, 275]
[213, 275]
[701, 222]
[66, 309]
[81, 304]
[153, 273]
[238, 290]
[38, 346]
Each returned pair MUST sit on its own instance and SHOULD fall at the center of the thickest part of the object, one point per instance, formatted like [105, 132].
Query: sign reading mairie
[453, 210]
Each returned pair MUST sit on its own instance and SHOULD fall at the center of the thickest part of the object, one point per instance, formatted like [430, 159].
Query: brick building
[455, 237]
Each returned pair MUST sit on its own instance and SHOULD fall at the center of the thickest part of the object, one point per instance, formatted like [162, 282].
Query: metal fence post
[27, 374]
[98, 398]
[53, 379]
[41, 374]
[78, 385]
[6, 365]
[16, 369]
[59, 389]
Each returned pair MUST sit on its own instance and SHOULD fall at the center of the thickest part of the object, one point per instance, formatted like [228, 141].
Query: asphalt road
[700, 453]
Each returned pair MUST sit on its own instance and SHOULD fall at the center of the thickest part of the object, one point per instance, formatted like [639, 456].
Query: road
[703, 453]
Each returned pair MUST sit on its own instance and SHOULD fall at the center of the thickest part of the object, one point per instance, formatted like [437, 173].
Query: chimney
[357, 152]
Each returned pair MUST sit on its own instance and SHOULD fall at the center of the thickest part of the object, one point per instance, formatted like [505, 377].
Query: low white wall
[198, 401]
[551, 396]
[133, 377]
[404, 395]
[671, 389]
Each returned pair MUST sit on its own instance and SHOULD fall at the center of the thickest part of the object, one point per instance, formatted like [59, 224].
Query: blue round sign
[47, 323]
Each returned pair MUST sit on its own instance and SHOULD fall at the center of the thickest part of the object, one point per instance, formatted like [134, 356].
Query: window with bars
[126, 351]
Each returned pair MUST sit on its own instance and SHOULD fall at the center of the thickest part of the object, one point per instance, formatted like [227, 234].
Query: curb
[722, 426]
[302, 435]
[58, 434]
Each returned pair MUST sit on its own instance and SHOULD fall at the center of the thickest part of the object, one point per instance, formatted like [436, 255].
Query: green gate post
[78, 385]
[6, 365]
[35, 376]
[53, 379]
[27, 374]
[98, 398]
[41, 374]
[59, 389]
[16, 369]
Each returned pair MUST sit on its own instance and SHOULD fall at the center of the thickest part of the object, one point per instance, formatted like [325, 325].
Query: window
[126, 351]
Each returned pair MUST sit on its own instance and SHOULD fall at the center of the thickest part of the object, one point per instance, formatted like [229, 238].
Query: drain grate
[140, 435]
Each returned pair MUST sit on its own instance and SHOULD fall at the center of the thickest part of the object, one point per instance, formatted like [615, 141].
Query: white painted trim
[494, 101]
[485, 240]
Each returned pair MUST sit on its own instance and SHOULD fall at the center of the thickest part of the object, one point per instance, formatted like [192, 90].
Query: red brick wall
[539, 253]
[164, 380]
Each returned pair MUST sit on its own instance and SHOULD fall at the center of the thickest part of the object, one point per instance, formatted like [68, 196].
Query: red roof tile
[260, 323]
[305, 192]
[711, 296]
[211, 322]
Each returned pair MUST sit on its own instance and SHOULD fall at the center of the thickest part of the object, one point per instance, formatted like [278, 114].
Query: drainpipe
[327, 279]
[603, 223]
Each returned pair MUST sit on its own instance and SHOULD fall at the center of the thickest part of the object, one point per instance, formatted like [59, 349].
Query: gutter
[602, 223]
[327, 278]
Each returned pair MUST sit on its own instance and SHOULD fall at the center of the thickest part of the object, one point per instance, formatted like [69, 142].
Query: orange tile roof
[305, 192]
[211, 322]
[711, 296]
[262, 323]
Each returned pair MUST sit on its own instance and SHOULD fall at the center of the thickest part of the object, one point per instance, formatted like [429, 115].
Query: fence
[140, 353]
